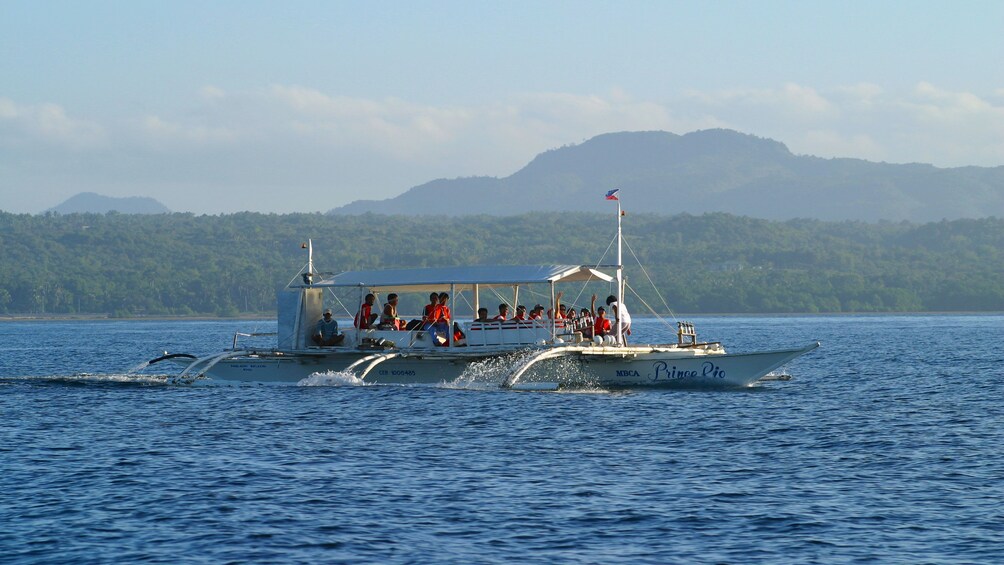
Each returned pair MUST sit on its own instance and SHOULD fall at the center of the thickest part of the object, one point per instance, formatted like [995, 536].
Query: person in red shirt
[443, 316]
[520, 313]
[429, 314]
[601, 326]
[365, 318]
[503, 313]
[441, 325]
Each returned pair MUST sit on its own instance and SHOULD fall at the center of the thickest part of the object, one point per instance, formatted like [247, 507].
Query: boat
[548, 352]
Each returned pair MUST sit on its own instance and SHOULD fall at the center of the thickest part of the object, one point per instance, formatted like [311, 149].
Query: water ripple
[883, 447]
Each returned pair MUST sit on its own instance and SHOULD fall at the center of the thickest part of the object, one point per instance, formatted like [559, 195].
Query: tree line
[227, 265]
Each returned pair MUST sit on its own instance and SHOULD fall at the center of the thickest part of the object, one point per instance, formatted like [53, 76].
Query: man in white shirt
[621, 316]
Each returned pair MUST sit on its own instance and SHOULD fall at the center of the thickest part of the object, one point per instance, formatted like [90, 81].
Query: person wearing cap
[326, 333]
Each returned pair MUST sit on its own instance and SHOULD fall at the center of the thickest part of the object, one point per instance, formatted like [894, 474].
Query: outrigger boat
[538, 351]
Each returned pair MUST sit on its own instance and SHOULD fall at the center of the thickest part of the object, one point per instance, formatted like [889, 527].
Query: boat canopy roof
[463, 278]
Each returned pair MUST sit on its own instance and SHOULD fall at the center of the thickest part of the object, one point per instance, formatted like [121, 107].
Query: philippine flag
[612, 194]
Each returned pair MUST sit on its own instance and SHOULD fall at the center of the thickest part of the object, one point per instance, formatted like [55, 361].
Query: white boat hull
[570, 366]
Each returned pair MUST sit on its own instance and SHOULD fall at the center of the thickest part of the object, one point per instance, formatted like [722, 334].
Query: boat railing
[476, 334]
[510, 332]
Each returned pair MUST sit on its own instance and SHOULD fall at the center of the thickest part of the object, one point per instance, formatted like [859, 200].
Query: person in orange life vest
[601, 326]
[520, 313]
[389, 319]
[537, 312]
[503, 313]
[441, 320]
[429, 314]
[365, 318]
[444, 310]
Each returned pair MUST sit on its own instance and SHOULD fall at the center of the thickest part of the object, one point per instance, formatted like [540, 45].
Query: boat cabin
[301, 305]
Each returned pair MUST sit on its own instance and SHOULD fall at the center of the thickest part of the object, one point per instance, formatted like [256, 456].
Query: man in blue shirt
[326, 333]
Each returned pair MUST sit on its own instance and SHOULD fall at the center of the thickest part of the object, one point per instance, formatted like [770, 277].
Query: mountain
[710, 171]
[91, 203]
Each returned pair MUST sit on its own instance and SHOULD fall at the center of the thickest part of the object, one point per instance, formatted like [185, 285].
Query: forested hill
[129, 265]
[710, 171]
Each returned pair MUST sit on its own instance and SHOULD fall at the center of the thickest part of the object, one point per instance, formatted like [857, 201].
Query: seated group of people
[326, 332]
[590, 321]
[436, 318]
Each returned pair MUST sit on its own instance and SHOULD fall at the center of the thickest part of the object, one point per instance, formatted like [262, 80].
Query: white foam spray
[332, 378]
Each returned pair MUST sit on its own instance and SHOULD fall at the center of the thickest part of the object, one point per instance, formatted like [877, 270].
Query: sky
[302, 106]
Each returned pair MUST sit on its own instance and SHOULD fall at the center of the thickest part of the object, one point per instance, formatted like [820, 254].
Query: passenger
[431, 310]
[389, 320]
[482, 315]
[441, 320]
[572, 320]
[621, 316]
[326, 333]
[557, 301]
[365, 318]
[537, 312]
[444, 310]
[503, 313]
[586, 323]
[520, 313]
[601, 327]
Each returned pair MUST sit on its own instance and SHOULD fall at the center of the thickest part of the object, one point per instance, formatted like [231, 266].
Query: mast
[620, 272]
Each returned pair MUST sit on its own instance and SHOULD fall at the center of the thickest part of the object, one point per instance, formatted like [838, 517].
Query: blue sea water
[886, 446]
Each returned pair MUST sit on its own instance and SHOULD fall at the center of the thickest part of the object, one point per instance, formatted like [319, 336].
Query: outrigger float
[541, 353]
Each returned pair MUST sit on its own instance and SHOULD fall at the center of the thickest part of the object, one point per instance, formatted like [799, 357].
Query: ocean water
[887, 445]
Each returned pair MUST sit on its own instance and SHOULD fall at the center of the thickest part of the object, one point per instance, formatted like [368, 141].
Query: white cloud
[47, 123]
[298, 148]
[925, 124]
[159, 130]
[797, 101]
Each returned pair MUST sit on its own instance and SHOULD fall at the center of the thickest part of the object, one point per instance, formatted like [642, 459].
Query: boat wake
[554, 375]
[332, 378]
[88, 378]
